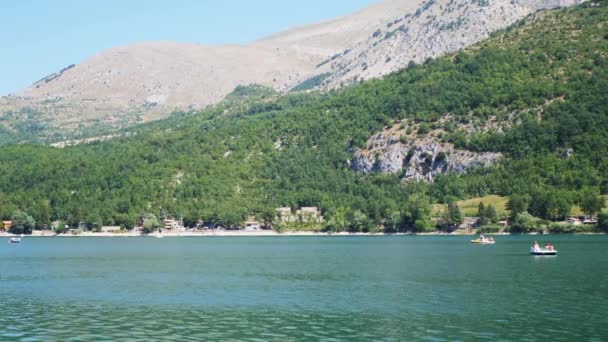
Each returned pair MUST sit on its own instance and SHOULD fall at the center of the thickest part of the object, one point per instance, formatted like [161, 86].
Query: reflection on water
[381, 288]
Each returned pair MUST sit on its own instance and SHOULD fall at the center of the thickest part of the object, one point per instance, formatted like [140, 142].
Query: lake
[389, 288]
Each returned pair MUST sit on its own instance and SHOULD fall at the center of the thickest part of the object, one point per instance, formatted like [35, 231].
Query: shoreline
[264, 233]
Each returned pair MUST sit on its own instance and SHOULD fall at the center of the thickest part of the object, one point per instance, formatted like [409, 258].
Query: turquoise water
[303, 288]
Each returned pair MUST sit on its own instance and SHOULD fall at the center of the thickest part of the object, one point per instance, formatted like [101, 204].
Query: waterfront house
[590, 220]
[170, 224]
[284, 214]
[309, 214]
[252, 226]
[304, 214]
[6, 225]
[575, 221]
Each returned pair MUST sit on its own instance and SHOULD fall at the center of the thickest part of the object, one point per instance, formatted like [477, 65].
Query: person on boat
[536, 245]
[549, 247]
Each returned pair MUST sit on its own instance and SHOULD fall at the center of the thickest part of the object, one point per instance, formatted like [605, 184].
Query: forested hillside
[544, 81]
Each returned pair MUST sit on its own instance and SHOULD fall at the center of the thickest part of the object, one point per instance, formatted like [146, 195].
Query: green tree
[517, 204]
[59, 227]
[151, 223]
[592, 202]
[269, 217]
[42, 214]
[491, 214]
[453, 217]
[525, 223]
[602, 221]
[393, 220]
[359, 222]
[23, 223]
[481, 213]
[417, 212]
[338, 220]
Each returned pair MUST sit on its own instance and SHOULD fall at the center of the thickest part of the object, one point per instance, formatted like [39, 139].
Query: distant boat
[159, 236]
[484, 240]
[14, 240]
[537, 250]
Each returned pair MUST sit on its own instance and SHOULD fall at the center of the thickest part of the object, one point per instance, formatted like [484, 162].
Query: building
[6, 225]
[303, 215]
[590, 220]
[252, 225]
[309, 215]
[284, 214]
[575, 221]
[171, 224]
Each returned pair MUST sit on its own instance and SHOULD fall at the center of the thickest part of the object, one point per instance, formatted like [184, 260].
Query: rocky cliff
[419, 157]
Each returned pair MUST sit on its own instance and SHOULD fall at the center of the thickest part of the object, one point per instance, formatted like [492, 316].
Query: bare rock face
[435, 28]
[420, 160]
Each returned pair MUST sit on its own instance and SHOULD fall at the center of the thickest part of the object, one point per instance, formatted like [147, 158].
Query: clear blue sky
[42, 36]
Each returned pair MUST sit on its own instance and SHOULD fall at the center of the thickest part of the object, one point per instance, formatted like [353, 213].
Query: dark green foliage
[258, 151]
[526, 223]
[250, 92]
[22, 223]
[488, 214]
[516, 205]
[312, 82]
[452, 218]
[592, 202]
[602, 222]
[150, 223]
[416, 212]
[550, 204]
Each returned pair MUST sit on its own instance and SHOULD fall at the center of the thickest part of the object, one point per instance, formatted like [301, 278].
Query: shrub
[526, 223]
[561, 228]
[602, 221]
[490, 228]
[23, 223]
[424, 128]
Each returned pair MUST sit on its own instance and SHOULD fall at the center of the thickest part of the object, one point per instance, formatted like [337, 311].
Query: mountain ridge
[128, 85]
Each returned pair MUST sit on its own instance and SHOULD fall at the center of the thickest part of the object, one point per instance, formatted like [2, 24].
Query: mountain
[531, 101]
[139, 83]
[434, 29]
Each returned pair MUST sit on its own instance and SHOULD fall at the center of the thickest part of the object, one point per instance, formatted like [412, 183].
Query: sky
[42, 36]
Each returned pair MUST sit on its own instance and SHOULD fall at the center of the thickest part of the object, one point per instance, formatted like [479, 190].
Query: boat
[159, 236]
[14, 240]
[484, 240]
[537, 250]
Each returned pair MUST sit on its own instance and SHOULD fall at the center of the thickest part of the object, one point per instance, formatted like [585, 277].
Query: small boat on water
[14, 240]
[484, 240]
[159, 236]
[538, 250]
